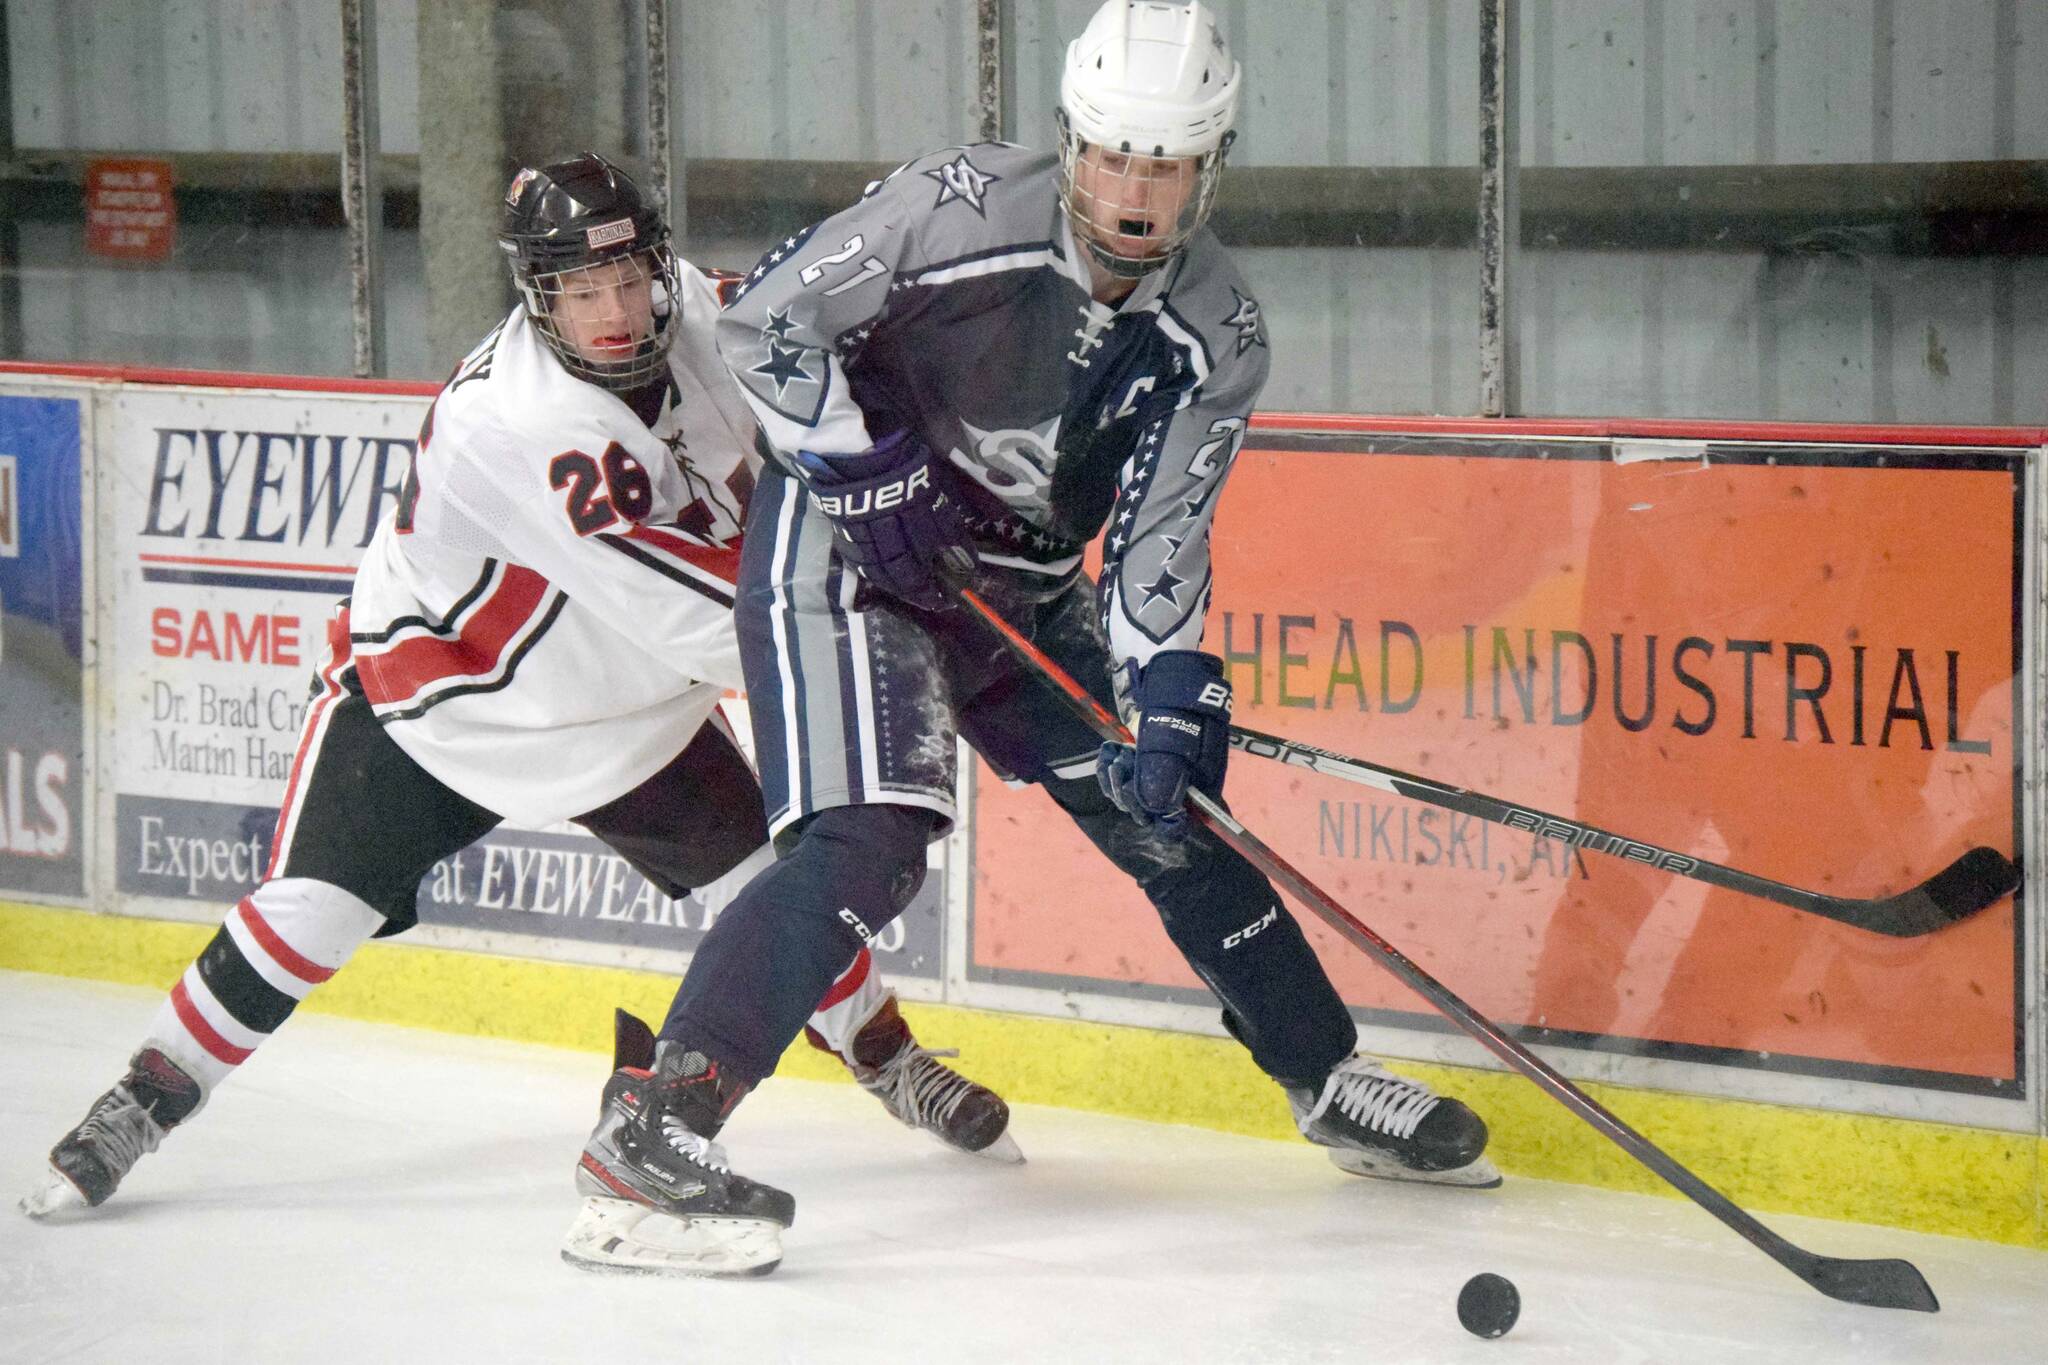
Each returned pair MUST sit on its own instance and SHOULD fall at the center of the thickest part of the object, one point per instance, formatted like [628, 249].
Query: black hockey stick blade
[1888, 1283]
[1877, 1283]
[1980, 878]
[1977, 880]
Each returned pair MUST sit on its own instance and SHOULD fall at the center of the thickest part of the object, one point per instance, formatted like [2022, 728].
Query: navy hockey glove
[1183, 734]
[892, 515]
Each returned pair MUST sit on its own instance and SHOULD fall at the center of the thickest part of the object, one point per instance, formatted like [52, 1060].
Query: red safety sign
[130, 213]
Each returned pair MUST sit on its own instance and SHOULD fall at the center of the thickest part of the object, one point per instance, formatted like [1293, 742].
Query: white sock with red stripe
[275, 946]
[851, 1002]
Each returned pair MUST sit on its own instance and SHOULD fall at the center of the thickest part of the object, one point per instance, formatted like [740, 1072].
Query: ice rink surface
[368, 1193]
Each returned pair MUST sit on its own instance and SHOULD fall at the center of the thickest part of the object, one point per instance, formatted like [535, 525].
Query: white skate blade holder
[1004, 1149]
[52, 1194]
[1479, 1174]
[620, 1236]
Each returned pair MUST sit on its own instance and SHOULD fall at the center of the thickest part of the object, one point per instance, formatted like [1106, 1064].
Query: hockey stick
[1980, 878]
[1878, 1283]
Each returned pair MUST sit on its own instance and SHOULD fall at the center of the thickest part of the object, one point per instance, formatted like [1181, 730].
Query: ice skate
[921, 1092]
[88, 1164]
[1378, 1124]
[661, 1197]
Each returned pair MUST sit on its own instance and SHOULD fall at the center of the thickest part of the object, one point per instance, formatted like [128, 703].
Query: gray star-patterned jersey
[953, 299]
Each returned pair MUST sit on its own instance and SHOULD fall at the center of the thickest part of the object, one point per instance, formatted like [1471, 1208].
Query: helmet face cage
[1115, 200]
[591, 258]
[579, 296]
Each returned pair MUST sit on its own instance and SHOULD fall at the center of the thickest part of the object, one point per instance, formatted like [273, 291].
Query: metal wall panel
[1848, 330]
[819, 80]
[1367, 83]
[200, 75]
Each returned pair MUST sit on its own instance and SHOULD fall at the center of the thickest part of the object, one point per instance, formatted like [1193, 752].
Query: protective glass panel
[1830, 212]
[510, 86]
[168, 184]
[1349, 197]
[785, 110]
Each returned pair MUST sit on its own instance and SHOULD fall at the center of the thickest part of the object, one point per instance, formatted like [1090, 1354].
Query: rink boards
[1812, 653]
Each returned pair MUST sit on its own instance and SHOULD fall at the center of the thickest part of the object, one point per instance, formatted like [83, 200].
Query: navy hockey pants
[856, 702]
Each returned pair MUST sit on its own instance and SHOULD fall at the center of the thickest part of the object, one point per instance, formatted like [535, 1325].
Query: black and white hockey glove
[1183, 732]
[893, 516]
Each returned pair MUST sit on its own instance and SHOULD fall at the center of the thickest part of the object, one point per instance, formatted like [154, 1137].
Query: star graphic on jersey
[961, 179]
[778, 325]
[1250, 332]
[785, 365]
[1167, 585]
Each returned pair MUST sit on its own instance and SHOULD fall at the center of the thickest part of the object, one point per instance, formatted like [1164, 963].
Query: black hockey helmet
[574, 214]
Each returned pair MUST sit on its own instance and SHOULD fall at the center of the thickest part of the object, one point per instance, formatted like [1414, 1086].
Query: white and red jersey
[548, 618]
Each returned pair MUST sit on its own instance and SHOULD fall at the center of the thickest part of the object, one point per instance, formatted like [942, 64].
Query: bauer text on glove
[894, 518]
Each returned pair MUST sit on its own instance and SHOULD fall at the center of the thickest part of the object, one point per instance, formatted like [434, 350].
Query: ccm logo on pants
[1264, 921]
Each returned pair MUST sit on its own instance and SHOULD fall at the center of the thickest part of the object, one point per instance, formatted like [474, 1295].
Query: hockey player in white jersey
[541, 633]
[968, 374]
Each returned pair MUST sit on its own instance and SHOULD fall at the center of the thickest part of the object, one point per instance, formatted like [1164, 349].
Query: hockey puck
[1488, 1305]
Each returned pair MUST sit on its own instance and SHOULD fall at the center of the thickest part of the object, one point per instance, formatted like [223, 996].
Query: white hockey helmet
[1149, 82]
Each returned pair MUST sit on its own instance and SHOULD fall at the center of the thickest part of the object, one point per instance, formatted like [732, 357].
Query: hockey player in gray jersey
[971, 372]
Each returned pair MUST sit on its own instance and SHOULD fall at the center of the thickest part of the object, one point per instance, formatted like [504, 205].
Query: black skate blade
[1889, 1283]
[632, 1043]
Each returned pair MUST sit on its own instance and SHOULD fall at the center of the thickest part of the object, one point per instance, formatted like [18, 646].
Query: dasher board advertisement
[1803, 661]
[42, 716]
[238, 520]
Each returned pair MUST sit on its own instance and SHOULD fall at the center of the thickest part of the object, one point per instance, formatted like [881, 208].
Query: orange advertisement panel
[1796, 660]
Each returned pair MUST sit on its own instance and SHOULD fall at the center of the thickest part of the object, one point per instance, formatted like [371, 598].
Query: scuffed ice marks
[1145, 852]
[912, 703]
